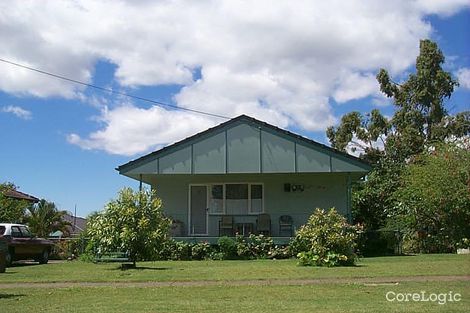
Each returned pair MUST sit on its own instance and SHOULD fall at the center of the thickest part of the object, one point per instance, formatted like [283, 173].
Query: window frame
[224, 200]
[25, 232]
[15, 231]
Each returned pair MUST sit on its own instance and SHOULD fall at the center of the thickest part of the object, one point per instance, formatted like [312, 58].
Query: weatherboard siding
[209, 155]
[244, 148]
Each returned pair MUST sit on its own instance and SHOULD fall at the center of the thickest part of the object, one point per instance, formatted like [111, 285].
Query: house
[18, 195]
[244, 175]
[77, 226]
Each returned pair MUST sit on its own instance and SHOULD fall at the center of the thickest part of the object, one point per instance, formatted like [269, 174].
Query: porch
[206, 225]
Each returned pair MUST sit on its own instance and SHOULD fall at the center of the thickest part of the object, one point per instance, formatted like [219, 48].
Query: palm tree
[44, 218]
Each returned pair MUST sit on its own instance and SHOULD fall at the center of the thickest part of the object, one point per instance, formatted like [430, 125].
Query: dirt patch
[274, 282]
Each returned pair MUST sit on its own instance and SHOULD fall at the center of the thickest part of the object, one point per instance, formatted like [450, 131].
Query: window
[236, 199]
[256, 199]
[15, 232]
[216, 201]
[2, 230]
[25, 231]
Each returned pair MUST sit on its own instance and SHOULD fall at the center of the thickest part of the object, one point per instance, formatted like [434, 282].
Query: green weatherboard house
[246, 176]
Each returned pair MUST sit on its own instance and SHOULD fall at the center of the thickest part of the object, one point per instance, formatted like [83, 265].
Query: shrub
[254, 246]
[86, 257]
[325, 240]
[433, 199]
[260, 245]
[243, 248]
[68, 249]
[181, 251]
[227, 247]
[200, 251]
[280, 252]
[133, 222]
[379, 243]
[175, 250]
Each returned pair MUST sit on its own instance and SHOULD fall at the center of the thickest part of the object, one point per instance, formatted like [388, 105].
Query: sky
[299, 65]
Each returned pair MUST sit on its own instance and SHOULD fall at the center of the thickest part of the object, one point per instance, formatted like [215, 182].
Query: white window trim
[224, 192]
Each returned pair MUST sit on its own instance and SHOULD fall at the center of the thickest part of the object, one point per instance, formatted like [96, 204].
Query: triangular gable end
[244, 145]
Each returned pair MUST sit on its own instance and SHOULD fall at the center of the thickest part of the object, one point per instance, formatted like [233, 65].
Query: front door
[198, 210]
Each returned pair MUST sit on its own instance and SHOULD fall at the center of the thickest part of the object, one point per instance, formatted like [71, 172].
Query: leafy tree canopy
[134, 223]
[44, 218]
[420, 122]
[11, 210]
[434, 198]
[420, 117]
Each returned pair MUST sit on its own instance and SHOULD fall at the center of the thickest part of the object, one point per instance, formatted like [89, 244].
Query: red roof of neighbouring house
[20, 195]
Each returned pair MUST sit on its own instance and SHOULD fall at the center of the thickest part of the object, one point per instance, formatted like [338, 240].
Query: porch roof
[244, 145]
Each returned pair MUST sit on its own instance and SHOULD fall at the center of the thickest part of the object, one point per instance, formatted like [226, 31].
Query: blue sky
[297, 64]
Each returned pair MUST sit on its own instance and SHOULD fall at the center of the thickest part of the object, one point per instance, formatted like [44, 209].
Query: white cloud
[352, 86]
[18, 111]
[129, 130]
[441, 7]
[463, 75]
[279, 61]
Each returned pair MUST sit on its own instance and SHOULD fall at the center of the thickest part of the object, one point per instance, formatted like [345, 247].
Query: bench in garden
[114, 257]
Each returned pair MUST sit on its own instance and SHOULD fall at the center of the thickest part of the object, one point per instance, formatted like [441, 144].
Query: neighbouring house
[15, 194]
[77, 226]
[245, 176]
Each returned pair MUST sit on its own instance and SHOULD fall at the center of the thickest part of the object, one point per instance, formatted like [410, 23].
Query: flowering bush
[325, 240]
[254, 246]
[200, 251]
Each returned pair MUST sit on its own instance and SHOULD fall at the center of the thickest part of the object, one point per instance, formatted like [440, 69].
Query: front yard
[234, 286]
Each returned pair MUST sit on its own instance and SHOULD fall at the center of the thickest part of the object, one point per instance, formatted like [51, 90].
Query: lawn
[420, 265]
[310, 298]
[225, 295]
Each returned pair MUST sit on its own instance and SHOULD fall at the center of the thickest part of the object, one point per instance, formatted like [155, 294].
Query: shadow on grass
[151, 268]
[10, 295]
[138, 268]
[23, 264]
[368, 256]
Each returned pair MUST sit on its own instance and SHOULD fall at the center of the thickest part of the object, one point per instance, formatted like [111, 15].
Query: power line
[112, 91]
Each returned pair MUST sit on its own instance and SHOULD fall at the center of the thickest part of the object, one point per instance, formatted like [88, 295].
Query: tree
[134, 222]
[419, 123]
[11, 210]
[420, 118]
[44, 218]
[434, 198]
[419, 102]
[363, 134]
[371, 199]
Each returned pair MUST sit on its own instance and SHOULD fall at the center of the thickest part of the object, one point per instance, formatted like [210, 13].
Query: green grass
[226, 297]
[420, 265]
[311, 298]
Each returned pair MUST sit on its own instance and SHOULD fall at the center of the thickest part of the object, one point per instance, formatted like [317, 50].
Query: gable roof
[362, 165]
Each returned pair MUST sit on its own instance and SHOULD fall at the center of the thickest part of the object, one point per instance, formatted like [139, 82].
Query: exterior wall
[323, 190]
